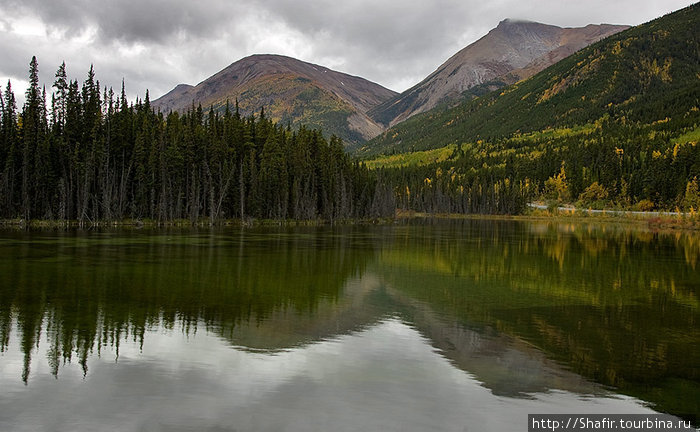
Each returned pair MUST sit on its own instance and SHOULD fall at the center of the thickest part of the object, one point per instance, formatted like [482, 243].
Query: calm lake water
[427, 325]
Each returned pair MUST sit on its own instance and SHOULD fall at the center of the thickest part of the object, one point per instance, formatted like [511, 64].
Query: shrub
[595, 195]
[644, 205]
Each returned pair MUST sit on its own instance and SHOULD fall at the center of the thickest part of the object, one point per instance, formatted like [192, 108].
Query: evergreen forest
[85, 154]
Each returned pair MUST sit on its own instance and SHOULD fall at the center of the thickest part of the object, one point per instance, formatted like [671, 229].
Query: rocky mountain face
[290, 91]
[512, 51]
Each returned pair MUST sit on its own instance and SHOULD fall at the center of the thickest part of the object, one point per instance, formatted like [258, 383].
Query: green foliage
[644, 205]
[594, 196]
[413, 158]
[692, 136]
[557, 188]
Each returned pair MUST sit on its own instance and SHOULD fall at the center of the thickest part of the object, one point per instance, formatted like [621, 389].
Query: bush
[644, 205]
[557, 188]
[595, 196]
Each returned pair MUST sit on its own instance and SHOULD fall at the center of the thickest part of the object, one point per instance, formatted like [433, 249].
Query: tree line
[90, 155]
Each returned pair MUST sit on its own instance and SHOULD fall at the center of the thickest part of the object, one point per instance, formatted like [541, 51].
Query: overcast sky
[157, 44]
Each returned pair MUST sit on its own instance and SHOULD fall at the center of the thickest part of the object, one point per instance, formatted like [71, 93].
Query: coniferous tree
[32, 132]
[9, 155]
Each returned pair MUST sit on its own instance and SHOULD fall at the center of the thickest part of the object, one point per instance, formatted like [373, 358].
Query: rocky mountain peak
[289, 90]
[516, 47]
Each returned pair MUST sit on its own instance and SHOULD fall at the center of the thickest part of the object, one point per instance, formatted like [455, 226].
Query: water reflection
[515, 310]
[84, 293]
[616, 306]
[385, 377]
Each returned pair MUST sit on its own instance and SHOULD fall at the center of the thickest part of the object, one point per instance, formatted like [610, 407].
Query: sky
[157, 44]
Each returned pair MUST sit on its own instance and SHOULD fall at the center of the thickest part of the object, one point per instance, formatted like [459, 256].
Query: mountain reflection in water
[444, 326]
[385, 377]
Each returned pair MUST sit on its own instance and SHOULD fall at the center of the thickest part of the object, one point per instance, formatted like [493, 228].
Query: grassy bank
[654, 220]
[651, 220]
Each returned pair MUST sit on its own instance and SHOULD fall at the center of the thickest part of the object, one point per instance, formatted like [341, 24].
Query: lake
[445, 325]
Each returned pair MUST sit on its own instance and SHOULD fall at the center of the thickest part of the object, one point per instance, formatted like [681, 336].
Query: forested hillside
[614, 124]
[642, 75]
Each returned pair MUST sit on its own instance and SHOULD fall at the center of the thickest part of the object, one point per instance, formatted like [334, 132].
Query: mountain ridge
[290, 90]
[513, 50]
[355, 109]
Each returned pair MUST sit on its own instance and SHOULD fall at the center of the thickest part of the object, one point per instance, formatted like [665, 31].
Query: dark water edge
[526, 310]
[204, 223]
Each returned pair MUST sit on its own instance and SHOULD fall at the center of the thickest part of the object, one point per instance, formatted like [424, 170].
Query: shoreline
[182, 223]
[655, 221]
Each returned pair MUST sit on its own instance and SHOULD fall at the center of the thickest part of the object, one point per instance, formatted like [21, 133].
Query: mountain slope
[517, 47]
[290, 91]
[646, 74]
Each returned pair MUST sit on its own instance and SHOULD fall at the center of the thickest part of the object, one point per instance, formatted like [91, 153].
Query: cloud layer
[157, 44]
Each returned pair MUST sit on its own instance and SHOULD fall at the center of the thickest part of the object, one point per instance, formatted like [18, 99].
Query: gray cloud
[157, 44]
[153, 21]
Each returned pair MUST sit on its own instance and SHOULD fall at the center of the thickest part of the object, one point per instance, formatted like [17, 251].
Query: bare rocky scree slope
[514, 50]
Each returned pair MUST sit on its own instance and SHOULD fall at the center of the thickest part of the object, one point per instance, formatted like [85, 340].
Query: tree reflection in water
[618, 307]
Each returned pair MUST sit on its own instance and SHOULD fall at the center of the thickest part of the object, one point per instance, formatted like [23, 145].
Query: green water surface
[423, 325]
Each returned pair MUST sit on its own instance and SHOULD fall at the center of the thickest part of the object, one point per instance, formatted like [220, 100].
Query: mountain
[513, 50]
[646, 75]
[291, 91]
